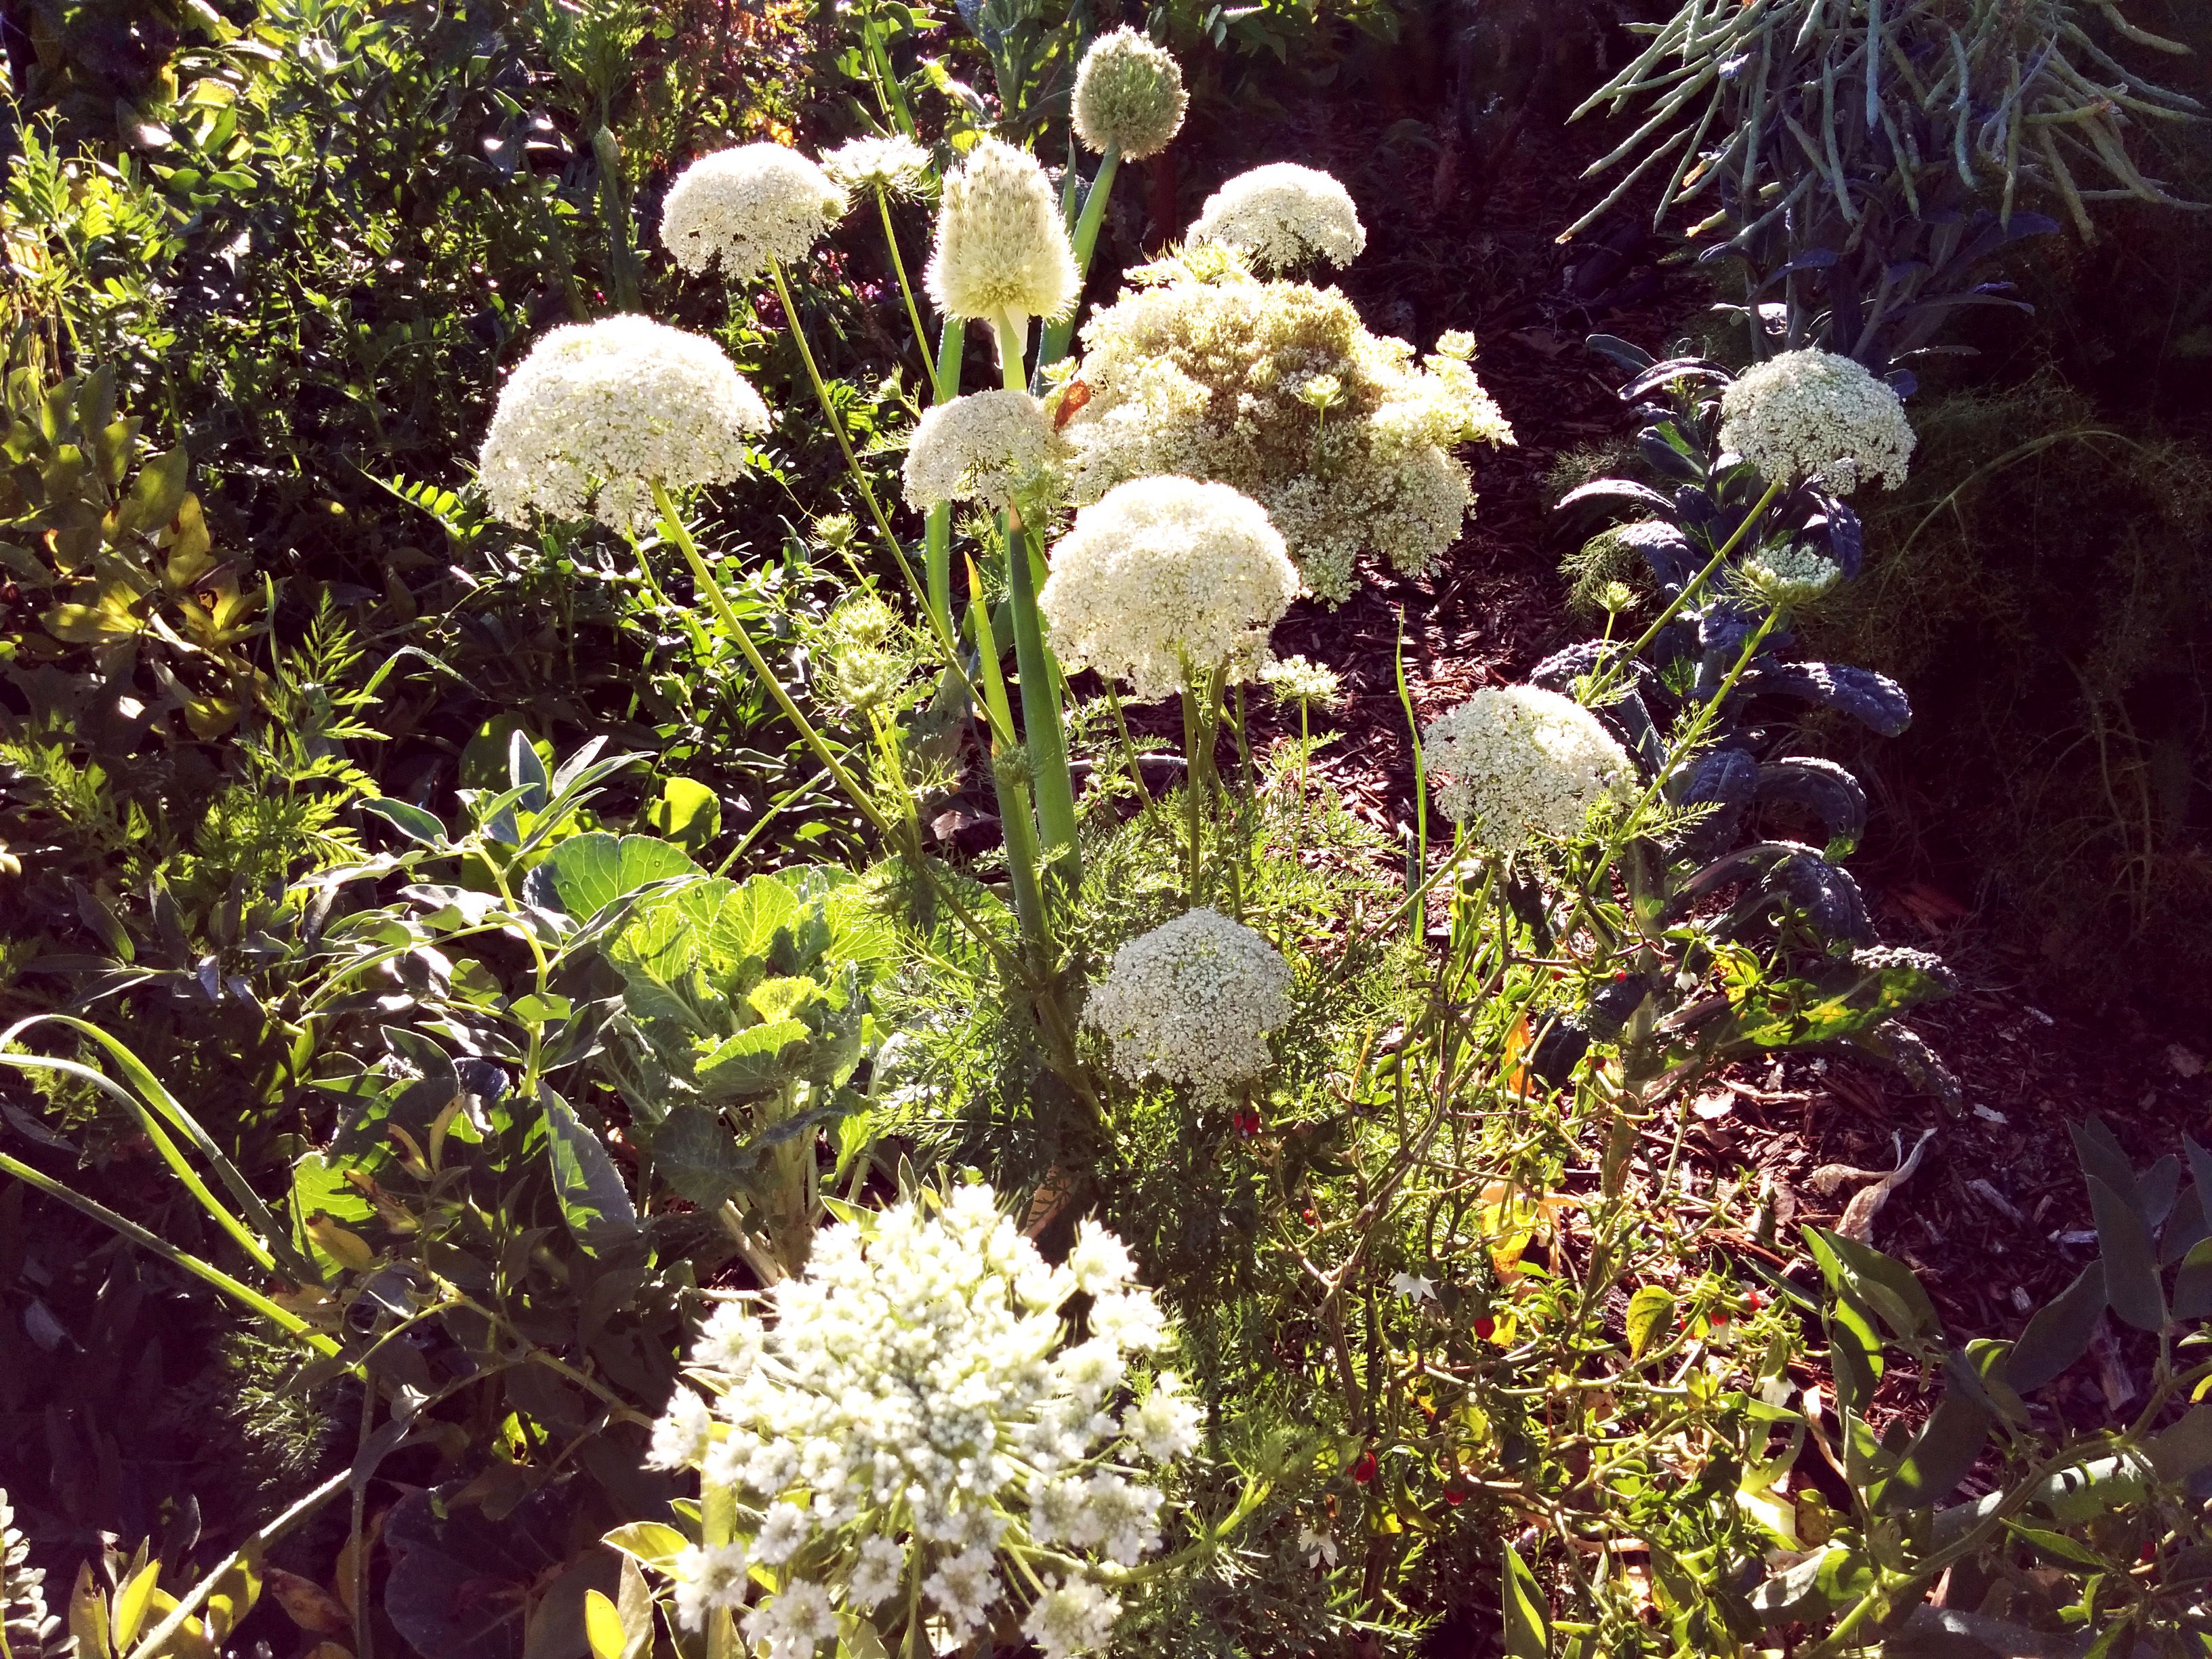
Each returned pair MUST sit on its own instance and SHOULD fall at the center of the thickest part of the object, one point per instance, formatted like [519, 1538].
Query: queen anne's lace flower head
[746, 207]
[895, 165]
[599, 412]
[1517, 763]
[1309, 684]
[988, 446]
[1002, 250]
[1284, 216]
[1815, 415]
[1192, 1002]
[1277, 389]
[1163, 578]
[914, 1407]
[1790, 574]
[1128, 93]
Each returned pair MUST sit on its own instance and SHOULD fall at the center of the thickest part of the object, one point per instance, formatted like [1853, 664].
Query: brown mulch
[1996, 1219]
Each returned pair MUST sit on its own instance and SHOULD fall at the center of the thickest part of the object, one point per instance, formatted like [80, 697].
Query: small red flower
[1454, 1494]
[1363, 1467]
[1757, 1301]
[1484, 1327]
[1247, 1123]
[1309, 1218]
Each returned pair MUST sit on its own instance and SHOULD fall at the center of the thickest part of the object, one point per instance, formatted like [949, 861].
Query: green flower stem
[1697, 586]
[672, 522]
[852, 461]
[1058, 334]
[1015, 811]
[1041, 681]
[898, 265]
[718, 1523]
[937, 534]
[290, 1323]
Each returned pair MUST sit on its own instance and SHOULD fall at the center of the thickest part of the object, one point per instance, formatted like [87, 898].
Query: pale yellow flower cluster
[1284, 216]
[1128, 95]
[1212, 373]
[1002, 250]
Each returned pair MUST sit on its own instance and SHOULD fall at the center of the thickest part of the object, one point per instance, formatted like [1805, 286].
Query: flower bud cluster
[1815, 415]
[1128, 94]
[1192, 1002]
[916, 1409]
[1517, 763]
[746, 207]
[599, 412]
[1002, 250]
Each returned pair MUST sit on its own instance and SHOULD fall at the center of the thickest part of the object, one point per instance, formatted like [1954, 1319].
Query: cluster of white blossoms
[895, 165]
[1192, 1002]
[1002, 249]
[914, 1408]
[1275, 388]
[1790, 573]
[1128, 95]
[1815, 415]
[598, 413]
[748, 207]
[1518, 762]
[1306, 684]
[988, 447]
[1283, 215]
[1166, 579]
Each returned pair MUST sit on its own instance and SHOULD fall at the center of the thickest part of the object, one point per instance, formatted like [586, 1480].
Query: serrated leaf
[757, 1060]
[590, 871]
[694, 1151]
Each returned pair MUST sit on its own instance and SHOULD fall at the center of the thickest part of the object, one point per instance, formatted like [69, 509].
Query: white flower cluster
[1283, 215]
[1520, 763]
[599, 412]
[895, 165]
[1276, 388]
[1815, 415]
[1128, 93]
[1001, 249]
[1163, 578]
[1298, 680]
[914, 1408]
[746, 207]
[1790, 573]
[988, 447]
[1192, 1002]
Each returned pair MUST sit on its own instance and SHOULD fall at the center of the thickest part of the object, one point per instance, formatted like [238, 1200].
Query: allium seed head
[743, 208]
[1001, 248]
[895, 165]
[988, 446]
[1192, 1002]
[1517, 763]
[1815, 415]
[1164, 578]
[599, 412]
[1128, 93]
[1284, 216]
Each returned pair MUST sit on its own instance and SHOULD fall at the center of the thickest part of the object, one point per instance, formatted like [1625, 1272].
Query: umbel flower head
[599, 412]
[1283, 215]
[988, 447]
[1306, 684]
[1519, 763]
[1165, 579]
[1192, 1002]
[1001, 248]
[1128, 93]
[895, 165]
[746, 207]
[1790, 574]
[1813, 414]
[1276, 388]
[915, 1408]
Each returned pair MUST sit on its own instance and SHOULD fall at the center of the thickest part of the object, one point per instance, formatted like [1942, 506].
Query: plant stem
[1054, 347]
[1014, 807]
[898, 265]
[156, 1639]
[937, 530]
[1696, 586]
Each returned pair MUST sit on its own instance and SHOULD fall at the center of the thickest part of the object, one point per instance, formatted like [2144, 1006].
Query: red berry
[1363, 1468]
[1485, 1326]
[1454, 1495]
[1757, 1301]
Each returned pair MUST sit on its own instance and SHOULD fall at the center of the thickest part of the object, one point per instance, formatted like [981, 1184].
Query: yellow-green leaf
[654, 1543]
[603, 1625]
[130, 1603]
[1650, 1316]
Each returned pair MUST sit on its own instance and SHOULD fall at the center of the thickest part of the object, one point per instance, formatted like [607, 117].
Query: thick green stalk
[898, 265]
[937, 535]
[1041, 684]
[1697, 586]
[1014, 806]
[1057, 335]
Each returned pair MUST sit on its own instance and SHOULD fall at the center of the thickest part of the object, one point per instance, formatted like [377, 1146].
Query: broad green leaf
[1942, 1454]
[603, 1626]
[634, 1604]
[1526, 1616]
[649, 1542]
[2103, 1158]
[2060, 1333]
[2192, 1286]
[156, 494]
[781, 998]
[755, 1062]
[745, 924]
[132, 1602]
[694, 1151]
[593, 1201]
[2185, 1449]
[688, 813]
[591, 872]
[2056, 1544]
[409, 820]
[1886, 1286]
[2130, 1270]
[1650, 1316]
